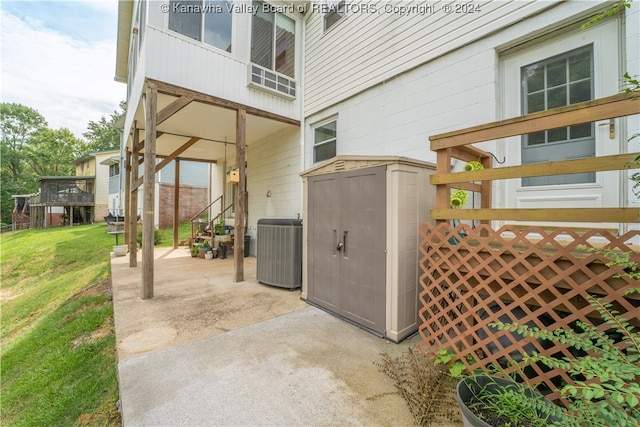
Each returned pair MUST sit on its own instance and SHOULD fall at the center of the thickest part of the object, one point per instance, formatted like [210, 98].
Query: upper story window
[336, 12]
[273, 40]
[324, 141]
[208, 21]
[114, 169]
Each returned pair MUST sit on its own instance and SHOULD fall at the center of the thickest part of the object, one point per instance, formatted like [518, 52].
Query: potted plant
[606, 368]
[194, 250]
[490, 401]
[204, 248]
[220, 233]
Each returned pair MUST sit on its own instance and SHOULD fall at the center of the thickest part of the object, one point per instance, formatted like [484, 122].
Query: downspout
[302, 110]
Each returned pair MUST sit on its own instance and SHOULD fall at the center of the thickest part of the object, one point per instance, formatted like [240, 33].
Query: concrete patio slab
[209, 352]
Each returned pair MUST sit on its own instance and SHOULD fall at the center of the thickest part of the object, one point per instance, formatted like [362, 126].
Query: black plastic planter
[468, 388]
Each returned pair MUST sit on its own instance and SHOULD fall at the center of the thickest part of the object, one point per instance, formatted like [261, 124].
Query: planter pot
[120, 250]
[222, 238]
[208, 255]
[467, 389]
[203, 251]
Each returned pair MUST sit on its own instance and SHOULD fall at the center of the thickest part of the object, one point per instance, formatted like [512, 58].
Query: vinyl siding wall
[365, 49]
[274, 164]
[461, 88]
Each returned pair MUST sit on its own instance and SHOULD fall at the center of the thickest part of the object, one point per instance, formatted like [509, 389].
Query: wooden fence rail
[459, 145]
[471, 276]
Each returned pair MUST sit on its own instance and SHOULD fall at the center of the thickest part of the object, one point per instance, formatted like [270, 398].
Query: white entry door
[579, 66]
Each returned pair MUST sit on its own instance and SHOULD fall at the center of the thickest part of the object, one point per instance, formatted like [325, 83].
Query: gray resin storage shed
[360, 239]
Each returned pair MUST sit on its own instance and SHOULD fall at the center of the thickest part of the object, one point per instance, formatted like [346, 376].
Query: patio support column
[127, 197]
[238, 252]
[133, 202]
[149, 190]
[176, 204]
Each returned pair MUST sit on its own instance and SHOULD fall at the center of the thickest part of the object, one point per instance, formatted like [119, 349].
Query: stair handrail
[205, 208]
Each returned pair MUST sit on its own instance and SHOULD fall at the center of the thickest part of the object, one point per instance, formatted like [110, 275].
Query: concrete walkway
[209, 352]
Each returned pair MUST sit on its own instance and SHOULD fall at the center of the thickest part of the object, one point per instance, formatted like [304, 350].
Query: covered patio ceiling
[214, 125]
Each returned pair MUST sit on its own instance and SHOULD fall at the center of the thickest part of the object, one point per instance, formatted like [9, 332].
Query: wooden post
[443, 191]
[238, 252]
[149, 190]
[127, 197]
[133, 203]
[176, 204]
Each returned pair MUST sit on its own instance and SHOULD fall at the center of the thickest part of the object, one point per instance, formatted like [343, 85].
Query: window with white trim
[336, 13]
[208, 21]
[324, 141]
[561, 80]
[273, 40]
[114, 169]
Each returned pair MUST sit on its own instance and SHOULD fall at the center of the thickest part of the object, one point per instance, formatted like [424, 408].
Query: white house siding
[397, 117]
[274, 165]
[365, 49]
[102, 185]
[459, 89]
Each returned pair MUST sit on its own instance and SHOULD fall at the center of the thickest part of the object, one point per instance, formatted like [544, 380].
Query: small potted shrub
[490, 401]
[203, 249]
[605, 393]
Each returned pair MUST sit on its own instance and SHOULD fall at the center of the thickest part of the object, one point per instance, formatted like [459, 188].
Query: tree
[52, 152]
[104, 135]
[18, 124]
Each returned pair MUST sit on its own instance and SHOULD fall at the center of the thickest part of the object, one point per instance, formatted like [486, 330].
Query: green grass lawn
[58, 357]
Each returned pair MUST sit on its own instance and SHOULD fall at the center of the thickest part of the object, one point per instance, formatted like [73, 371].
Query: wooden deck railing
[471, 276]
[459, 145]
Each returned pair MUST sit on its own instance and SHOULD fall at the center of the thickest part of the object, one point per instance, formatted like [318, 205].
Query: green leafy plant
[157, 237]
[502, 403]
[219, 227]
[616, 8]
[609, 394]
[194, 250]
[631, 268]
[445, 357]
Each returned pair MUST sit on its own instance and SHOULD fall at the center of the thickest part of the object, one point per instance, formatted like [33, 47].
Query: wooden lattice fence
[473, 276]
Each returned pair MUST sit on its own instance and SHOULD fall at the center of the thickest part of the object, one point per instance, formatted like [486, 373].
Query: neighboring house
[194, 190]
[93, 165]
[63, 200]
[320, 79]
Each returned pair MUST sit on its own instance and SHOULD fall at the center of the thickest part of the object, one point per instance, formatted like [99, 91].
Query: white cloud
[69, 81]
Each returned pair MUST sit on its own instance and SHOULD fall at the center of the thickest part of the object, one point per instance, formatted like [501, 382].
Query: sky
[58, 57]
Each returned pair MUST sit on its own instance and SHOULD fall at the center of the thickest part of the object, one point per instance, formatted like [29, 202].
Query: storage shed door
[347, 245]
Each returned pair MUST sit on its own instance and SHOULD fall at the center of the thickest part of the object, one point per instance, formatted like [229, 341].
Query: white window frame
[202, 29]
[338, 11]
[328, 141]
